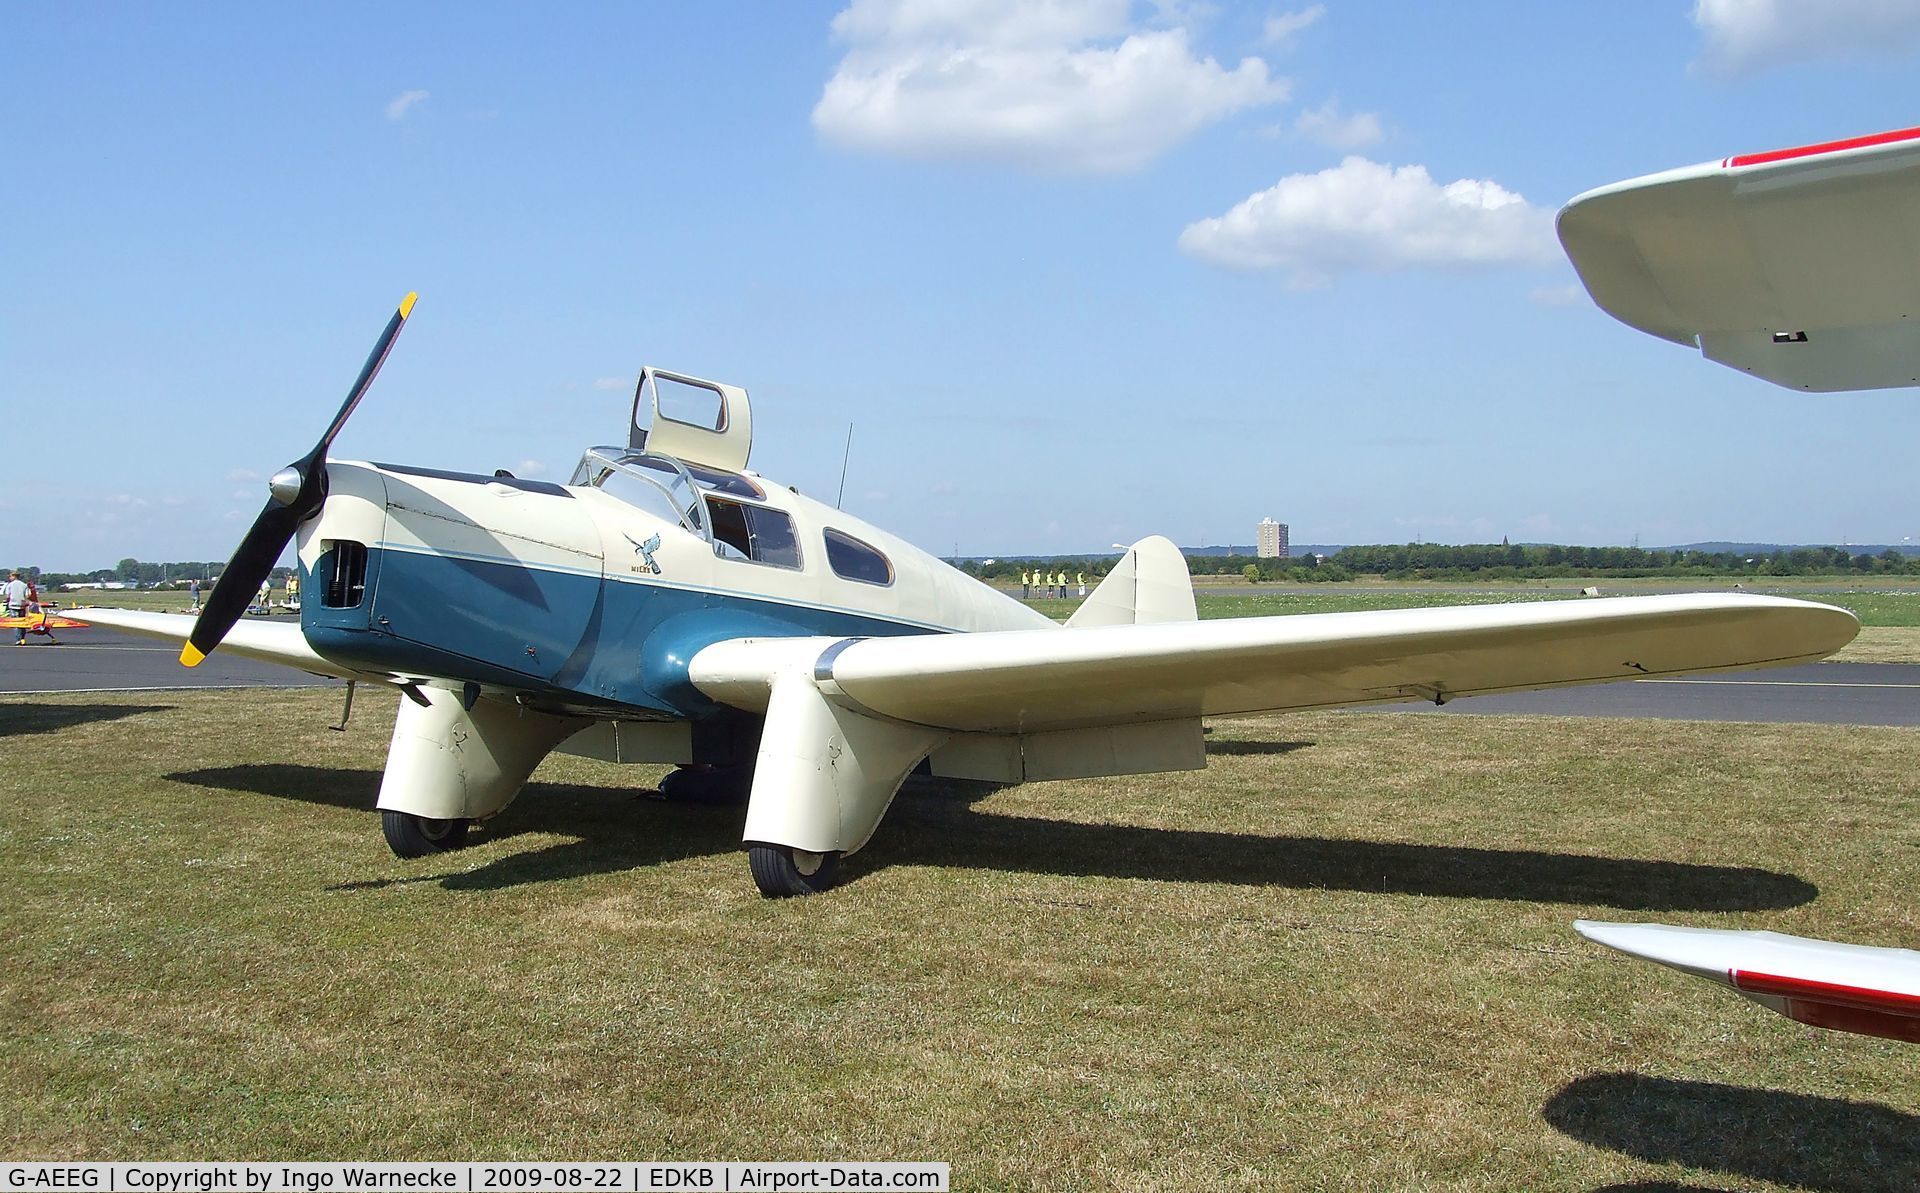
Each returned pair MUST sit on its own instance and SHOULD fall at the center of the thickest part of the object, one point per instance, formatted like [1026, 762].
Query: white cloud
[1057, 85]
[1744, 37]
[1570, 295]
[612, 383]
[397, 107]
[1280, 29]
[529, 469]
[1361, 215]
[1330, 126]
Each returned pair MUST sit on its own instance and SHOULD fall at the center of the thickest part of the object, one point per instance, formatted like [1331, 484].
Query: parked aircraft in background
[670, 606]
[1798, 266]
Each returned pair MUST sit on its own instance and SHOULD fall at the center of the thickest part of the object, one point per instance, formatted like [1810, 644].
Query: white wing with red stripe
[1795, 265]
[1847, 987]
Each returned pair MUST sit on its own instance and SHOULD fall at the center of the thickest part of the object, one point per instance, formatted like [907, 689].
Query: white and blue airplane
[1796, 266]
[669, 605]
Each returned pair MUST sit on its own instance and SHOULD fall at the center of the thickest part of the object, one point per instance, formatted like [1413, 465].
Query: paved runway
[1829, 693]
[1823, 693]
[102, 660]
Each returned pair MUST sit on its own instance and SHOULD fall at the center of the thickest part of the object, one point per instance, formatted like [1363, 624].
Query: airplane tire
[782, 872]
[421, 836]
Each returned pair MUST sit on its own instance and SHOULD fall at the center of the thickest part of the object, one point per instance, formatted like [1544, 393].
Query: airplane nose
[285, 485]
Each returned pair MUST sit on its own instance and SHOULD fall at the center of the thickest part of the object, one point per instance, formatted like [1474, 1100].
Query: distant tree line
[1494, 561]
[1431, 561]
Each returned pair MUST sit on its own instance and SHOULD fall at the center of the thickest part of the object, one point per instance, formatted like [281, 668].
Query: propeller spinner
[296, 494]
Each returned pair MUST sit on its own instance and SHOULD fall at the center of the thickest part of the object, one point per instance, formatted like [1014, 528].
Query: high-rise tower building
[1273, 539]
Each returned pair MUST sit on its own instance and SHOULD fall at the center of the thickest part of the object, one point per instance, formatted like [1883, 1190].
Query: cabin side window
[852, 559]
[756, 532]
[347, 581]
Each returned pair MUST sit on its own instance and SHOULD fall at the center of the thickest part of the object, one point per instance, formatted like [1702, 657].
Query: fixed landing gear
[419, 836]
[781, 871]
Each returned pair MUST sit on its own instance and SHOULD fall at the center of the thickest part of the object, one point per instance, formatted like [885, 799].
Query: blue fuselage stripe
[566, 633]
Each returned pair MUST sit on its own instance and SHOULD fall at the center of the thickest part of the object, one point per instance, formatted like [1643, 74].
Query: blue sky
[997, 238]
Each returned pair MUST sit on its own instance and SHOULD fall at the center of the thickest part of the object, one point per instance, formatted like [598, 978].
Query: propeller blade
[368, 372]
[298, 493]
[252, 563]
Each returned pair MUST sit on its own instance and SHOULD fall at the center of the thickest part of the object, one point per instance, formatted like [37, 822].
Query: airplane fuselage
[577, 599]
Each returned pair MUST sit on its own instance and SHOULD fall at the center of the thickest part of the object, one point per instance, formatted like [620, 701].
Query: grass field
[1337, 959]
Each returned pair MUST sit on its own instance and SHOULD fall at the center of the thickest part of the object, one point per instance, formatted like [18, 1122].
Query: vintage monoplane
[1797, 266]
[670, 606]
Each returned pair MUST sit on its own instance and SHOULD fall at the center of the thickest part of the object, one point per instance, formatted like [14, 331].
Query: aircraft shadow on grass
[18, 719]
[1255, 747]
[1753, 1134]
[935, 824]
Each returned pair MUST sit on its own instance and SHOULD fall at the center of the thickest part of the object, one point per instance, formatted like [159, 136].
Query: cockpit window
[852, 559]
[688, 402]
[647, 483]
[755, 532]
[731, 483]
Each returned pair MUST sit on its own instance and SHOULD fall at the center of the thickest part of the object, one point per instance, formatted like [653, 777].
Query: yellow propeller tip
[406, 304]
[190, 655]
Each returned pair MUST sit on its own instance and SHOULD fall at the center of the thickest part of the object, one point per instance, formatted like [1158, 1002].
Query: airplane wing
[1846, 987]
[1794, 265]
[1028, 681]
[267, 641]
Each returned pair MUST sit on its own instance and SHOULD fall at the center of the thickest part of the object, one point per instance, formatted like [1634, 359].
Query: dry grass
[1883, 644]
[1337, 959]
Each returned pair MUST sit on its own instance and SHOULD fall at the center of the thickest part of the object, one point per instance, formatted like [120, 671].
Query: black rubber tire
[782, 872]
[421, 836]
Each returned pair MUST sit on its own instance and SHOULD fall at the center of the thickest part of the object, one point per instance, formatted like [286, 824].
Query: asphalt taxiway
[103, 660]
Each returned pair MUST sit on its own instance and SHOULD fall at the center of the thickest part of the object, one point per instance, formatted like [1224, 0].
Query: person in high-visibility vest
[1026, 584]
[1080, 578]
[1059, 584]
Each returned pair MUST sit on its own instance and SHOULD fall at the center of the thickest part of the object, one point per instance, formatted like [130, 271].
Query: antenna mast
[844, 457]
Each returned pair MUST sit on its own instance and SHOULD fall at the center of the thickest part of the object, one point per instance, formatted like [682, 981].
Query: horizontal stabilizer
[1856, 988]
[1793, 265]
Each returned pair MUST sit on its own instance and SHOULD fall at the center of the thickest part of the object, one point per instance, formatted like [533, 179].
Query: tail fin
[1149, 584]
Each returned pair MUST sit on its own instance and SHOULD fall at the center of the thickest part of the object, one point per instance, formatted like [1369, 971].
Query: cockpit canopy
[701, 422]
[725, 508]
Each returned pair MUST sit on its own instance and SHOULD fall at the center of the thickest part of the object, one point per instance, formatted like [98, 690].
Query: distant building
[1273, 539]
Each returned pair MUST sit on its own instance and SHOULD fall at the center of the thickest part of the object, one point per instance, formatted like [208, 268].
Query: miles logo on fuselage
[646, 550]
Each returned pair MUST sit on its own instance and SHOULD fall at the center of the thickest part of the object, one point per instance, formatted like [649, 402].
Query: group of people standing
[263, 602]
[1050, 584]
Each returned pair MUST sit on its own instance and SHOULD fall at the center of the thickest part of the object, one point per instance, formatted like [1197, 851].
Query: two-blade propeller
[298, 491]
